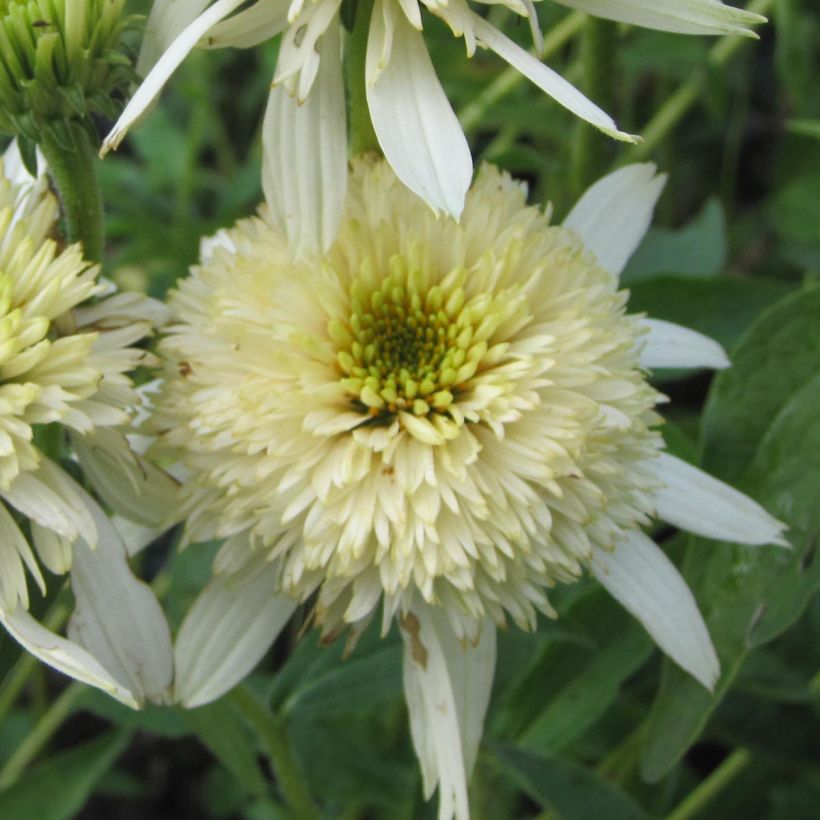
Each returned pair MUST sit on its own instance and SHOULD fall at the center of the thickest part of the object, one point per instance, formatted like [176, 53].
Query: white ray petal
[130, 484]
[546, 79]
[681, 16]
[117, 618]
[640, 576]
[447, 688]
[670, 345]
[64, 656]
[165, 22]
[304, 148]
[259, 22]
[165, 67]
[413, 120]
[49, 497]
[227, 631]
[614, 213]
[695, 501]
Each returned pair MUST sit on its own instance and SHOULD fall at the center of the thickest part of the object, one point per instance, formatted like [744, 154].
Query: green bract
[59, 61]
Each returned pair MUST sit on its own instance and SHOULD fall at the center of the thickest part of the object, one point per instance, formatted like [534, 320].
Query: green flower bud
[60, 61]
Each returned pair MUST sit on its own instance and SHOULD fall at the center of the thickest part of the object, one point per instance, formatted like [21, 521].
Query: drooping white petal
[117, 616]
[447, 688]
[229, 628]
[304, 148]
[14, 553]
[165, 67]
[413, 120]
[546, 79]
[670, 345]
[64, 656]
[49, 497]
[640, 576]
[695, 501]
[168, 18]
[129, 483]
[681, 16]
[614, 213]
[259, 22]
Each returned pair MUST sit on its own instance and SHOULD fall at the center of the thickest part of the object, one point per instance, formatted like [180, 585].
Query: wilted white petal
[117, 617]
[670, 345]
[227, 631]
[64, 656]
[613, 215]
[640, 576]
[447, 687]
[304, 148]
[697, 502]
[165, 67]
[413, 120]
[681, 16]
[546, 79]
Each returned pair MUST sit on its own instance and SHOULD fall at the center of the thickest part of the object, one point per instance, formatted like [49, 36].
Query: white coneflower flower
[442, 419]
[65, 348]
[304, 134]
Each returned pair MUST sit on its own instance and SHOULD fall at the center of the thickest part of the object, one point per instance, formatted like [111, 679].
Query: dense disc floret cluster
[446, 410]
[64, 354]
[59, 60]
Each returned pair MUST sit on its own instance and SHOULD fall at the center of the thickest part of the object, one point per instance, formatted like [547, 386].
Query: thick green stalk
[712, 786]
[39, 736]
[272, 733]
[362, 136]
[591, 150]
[72, 165]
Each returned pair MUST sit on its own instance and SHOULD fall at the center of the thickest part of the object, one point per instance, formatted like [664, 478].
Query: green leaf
[570, 790]
[760, 427]
[805, 128]
[697, 250]
[702, 304]
[590, 693]
[58, 788]
[223, 731]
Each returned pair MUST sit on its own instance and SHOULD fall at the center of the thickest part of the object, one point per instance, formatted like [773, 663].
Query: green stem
[272, 732]
[591, 150]
[362, 136]
[72, 164]
[712, 786]
[678, 105]
[39, 735]
[472, 115]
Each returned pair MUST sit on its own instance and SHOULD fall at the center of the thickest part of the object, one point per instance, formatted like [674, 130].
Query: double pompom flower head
[439, 420]
[396, 390]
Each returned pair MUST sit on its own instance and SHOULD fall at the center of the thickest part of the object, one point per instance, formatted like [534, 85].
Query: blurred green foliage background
[586, 720]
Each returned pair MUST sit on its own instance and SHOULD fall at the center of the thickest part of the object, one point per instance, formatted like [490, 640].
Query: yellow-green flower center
[408, 345]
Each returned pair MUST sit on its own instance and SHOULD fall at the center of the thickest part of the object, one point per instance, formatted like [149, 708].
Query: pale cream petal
[681, 16]
[638, 574]
[304, 154]
[546, 79]
[695, 501]
[64, 656]
[413, 120]
[670, 345]
[165, 67]
[117, 617]
[227, 631]
[614, 213]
